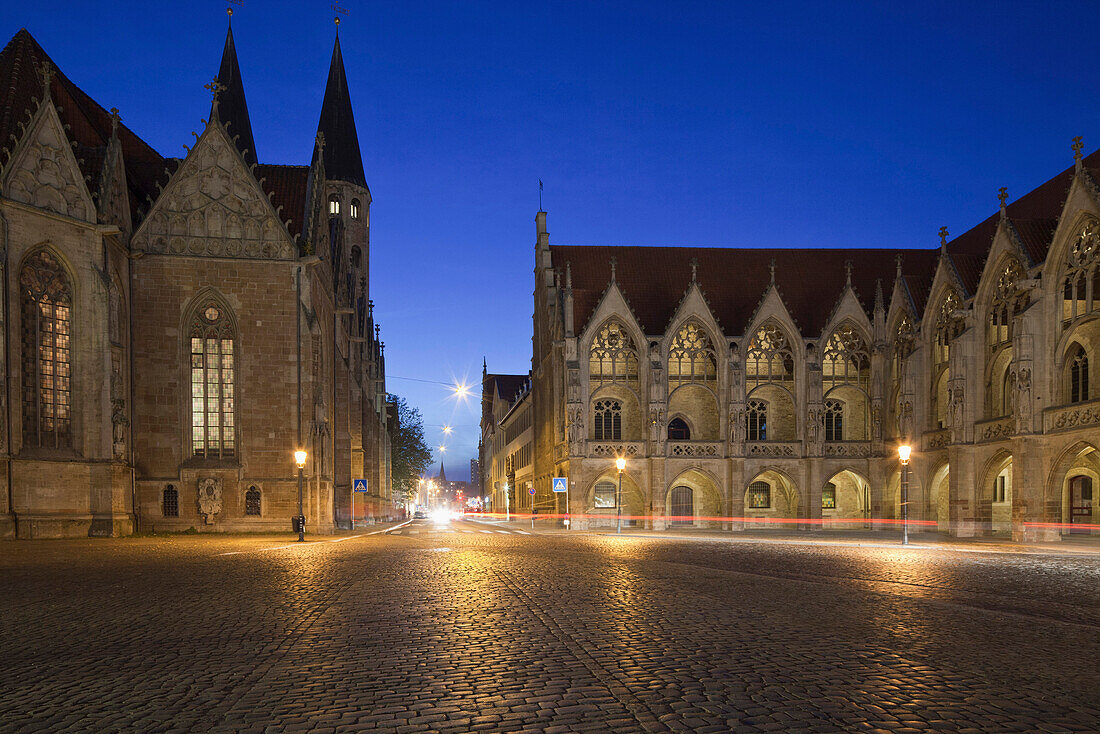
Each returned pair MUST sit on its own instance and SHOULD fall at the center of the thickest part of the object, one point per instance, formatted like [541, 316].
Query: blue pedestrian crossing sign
[360, 485]
[560, 484]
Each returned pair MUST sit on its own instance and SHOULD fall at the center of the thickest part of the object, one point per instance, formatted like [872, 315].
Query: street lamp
[300, 460]
[507, 510]
[903, 453]
[620, 463]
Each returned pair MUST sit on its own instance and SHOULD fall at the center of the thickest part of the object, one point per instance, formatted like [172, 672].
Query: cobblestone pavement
[452, 631]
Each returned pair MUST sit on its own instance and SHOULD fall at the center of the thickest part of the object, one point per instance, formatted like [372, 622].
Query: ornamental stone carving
[210, 498]
[44, 172]
[1022, 401]
[214, 206]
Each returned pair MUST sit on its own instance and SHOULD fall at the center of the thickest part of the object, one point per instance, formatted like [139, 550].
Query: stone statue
[656, 421]
[905, 418]
[576, 428]
[956, 397]
[739, 423]
[210, 498]
[1022, 400]
[119, 422]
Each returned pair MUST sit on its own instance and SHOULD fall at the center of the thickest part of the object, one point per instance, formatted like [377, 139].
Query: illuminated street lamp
[620, 463]
[903, 453]
[300, 459]
[507, 509]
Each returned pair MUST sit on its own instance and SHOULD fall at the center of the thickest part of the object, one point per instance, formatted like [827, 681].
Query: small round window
[211, 314]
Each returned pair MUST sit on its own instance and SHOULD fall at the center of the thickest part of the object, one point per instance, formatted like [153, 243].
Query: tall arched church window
[769, 358]
[757, 428]
[1008, 300]
[333, 205]
[613, 358]
[1082, 276]
[691, 358]
[609, 420]
[213, 383]
[353, 208]
[46, 297]
[1077, 375]
[834, 420]
[678, 430]
[846, 360]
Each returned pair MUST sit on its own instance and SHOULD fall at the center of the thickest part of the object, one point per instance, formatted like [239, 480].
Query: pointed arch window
[1078, 375]
[213, 383]
[1082, 276]
[905, 340]
[948, 326]
[613, 357]
[609, 420]
[46, 296]
[834, 420]
[1008, 300]
[769, 358]
[678, 430]
[757, 428]
[691, 358]
[846, 360]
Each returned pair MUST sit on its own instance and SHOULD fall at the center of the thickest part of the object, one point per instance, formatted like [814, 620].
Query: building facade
[772, 387]
[176, 327]
[507, 448]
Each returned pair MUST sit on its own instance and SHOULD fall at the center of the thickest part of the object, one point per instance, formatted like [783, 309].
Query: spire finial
[320, 142]
[943, 237]
[771, 270]
[229, 12]
[46, 71]
[613, 263]
[215, 88]
[114, 122]
[1002, 196]
[848, 273]
[568, 276]
[1078, 146]
[878, 293]
[694, 269]
[897, 263]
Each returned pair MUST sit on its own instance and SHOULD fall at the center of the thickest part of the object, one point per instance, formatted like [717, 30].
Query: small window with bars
[605, 495]
[760, 496]
[170, 501]
[828, 497]
[252, 501]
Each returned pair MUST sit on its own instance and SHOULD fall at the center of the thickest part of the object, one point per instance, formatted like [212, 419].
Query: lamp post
[903, 453]
[620, 463]
[507, 510]
[300, 460]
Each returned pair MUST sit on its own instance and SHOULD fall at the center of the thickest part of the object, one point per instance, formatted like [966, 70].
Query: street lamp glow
[461, 390]
[447, 430]
[442, 449]
[620, 463]
[300, 458]
[903, 453]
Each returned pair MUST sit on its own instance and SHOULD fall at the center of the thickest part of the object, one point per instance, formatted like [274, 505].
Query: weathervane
[338, 10]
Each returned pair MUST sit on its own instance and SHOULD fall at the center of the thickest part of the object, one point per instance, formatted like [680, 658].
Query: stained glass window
[47, 300]
[828, 496]
[760, 496]
[605, 495]
[213, 387]
[757, 420]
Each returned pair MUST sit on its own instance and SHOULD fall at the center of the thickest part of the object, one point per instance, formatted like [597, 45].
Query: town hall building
[753, 388]
[175, 328]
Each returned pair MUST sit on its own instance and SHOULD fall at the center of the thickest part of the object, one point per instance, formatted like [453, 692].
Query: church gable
[214, 206]
[113, 197]
[44, 173]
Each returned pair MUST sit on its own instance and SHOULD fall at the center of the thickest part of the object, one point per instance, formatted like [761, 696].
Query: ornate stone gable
[112, 197]
[44, 173]
[213, 205]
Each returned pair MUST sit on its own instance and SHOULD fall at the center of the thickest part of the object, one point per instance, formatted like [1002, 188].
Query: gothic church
[175, 328]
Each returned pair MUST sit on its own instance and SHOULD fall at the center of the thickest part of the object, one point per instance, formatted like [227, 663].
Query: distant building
[475, 478]
[506, 443]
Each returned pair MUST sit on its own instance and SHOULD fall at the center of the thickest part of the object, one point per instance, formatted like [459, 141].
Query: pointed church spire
[343, 162]
[230, 103]
[442, 473]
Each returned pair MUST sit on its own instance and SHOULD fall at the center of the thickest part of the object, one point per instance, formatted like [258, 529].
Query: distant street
[467, 626]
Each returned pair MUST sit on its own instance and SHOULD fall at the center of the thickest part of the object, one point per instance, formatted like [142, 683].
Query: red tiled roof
[287, 185]
[89, 124]
[507, 385]
[734, 280]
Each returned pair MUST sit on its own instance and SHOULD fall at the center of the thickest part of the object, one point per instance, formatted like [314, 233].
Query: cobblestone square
[471, 627]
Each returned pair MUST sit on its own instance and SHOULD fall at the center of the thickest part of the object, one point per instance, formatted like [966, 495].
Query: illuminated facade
[763, 385]
[157, 311]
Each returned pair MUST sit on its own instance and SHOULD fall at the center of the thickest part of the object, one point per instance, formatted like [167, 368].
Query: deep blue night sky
[710, 123]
